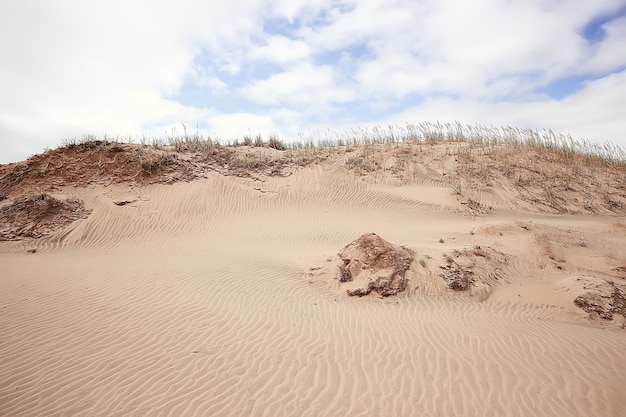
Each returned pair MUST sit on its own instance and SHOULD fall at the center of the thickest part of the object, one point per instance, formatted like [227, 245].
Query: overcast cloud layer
[133, 68]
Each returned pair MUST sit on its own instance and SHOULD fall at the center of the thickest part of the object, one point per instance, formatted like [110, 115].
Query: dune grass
[545, 168]
[470, 138]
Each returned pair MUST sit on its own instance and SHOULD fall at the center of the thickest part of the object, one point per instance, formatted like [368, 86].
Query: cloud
[77, 68]
[591, 113]
[133, 68]
[202, 78]
[237, 125]
[282, 50]
[609, 54]
[300, 84]
[453, 49]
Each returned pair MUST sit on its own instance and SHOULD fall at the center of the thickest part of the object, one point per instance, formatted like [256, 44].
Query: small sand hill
[194, 279]
[477, 267]
[371, 263]
[600, 297]
[101, 162]
[35, 216]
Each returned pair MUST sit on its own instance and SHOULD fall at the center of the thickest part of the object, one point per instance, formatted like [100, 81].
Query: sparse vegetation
[550, 172]
[276, 143]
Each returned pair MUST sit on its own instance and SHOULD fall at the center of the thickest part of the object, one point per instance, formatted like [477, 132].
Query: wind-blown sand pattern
[219, 297]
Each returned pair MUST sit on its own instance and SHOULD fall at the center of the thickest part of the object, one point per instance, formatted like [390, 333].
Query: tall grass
[546, 143]
[540, 165]
[465, 140]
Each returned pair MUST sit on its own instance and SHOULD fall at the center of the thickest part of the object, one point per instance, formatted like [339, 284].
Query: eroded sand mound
[601, 298]
[381, 265]
[479, 266]
[93, 163]
[38, 215]
[102, 163]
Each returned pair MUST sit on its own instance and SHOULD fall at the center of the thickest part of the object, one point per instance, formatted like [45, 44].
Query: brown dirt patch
[36, 216]
[96, 162]
[603, 299]
[104, 163]
[468, 267]
[382, 265]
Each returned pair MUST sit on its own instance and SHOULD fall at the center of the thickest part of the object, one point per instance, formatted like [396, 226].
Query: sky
[139, 68]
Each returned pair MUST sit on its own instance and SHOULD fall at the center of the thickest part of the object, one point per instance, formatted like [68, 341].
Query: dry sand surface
[219, 295]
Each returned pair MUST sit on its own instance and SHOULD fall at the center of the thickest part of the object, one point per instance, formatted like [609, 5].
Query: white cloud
[200, 77]
[594, 113]
[114, 67]
[237, 125]
[609, 55]
[302, 84]
[71, 68]
[468, 47]
[281, 50]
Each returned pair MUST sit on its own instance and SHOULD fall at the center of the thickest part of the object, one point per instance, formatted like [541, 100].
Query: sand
[219, 297]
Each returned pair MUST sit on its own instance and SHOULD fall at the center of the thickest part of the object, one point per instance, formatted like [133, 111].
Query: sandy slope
[217, 298]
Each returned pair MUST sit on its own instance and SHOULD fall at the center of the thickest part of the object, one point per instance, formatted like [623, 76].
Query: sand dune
[219, 297]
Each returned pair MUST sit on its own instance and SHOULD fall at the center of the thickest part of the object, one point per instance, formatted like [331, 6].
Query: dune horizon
[193, 278]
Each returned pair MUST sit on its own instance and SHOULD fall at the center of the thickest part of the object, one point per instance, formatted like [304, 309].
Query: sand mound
[95, 162]
[382, 265]
[602, 298]
[470, 267]
[102, 162]
[38, 215]
[457, 277]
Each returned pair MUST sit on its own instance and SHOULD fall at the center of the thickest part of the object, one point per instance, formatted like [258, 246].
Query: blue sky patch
[565, 87]
[593, 31]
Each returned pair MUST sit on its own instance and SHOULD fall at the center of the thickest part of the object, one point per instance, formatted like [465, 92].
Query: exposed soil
[457, 277]
[35, 216]
[104, 163]
[381, 264]
[603, 300]
[463, 268]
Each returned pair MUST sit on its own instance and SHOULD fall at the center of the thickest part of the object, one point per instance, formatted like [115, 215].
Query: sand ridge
[219, 296]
